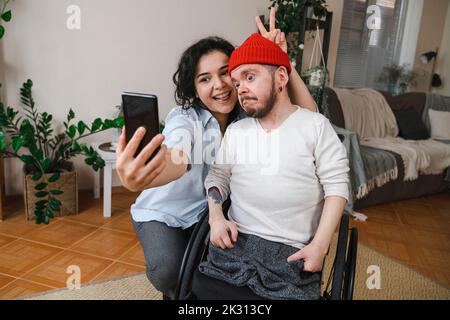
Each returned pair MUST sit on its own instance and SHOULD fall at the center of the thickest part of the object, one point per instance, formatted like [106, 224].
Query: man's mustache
[244, 98]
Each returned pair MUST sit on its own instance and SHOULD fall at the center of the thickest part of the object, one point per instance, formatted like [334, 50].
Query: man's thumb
[296, 256]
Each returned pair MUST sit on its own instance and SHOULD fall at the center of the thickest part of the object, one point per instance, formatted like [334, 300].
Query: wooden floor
[415, 232]
[35, 258]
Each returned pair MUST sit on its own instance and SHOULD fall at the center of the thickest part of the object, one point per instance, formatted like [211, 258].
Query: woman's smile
[223, 97]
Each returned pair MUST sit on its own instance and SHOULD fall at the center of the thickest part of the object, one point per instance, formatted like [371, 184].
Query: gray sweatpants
[164, 248]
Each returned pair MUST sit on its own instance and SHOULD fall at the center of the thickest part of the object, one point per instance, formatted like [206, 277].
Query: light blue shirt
[180, 203]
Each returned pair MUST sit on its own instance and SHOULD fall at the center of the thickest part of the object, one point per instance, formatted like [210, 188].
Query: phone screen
[141, 110]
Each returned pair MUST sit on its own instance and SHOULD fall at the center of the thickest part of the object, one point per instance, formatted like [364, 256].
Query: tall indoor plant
[290, 18]
[44, 152]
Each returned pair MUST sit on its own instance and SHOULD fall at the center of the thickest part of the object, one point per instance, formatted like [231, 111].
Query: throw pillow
[440, 124]
[410, 125]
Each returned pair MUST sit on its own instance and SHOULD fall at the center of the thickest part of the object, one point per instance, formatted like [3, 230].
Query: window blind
[363, 52]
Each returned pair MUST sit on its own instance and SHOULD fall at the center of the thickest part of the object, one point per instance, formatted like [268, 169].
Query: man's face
[256, 89]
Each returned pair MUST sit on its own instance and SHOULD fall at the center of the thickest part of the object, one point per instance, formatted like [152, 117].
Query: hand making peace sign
[274, 35]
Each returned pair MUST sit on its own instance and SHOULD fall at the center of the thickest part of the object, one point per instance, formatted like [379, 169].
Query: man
[281, 220]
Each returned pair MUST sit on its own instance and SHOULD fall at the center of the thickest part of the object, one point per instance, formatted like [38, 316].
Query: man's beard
[261, 113]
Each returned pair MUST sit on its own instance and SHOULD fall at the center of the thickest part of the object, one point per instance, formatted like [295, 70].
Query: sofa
[397, 189]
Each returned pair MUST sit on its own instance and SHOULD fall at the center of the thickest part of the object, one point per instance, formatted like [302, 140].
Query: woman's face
[213, 85]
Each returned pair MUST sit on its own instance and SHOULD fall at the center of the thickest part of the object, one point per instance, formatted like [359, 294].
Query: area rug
[397, 282]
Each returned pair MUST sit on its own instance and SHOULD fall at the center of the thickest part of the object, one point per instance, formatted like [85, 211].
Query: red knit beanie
[258, 50]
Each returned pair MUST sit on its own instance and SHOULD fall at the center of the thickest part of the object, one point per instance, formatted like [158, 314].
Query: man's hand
[133, 172]
[313, 257]
[223, 233]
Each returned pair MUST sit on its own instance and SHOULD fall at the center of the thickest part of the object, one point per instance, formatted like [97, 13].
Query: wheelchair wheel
[350, 271]
[340, 260]
[192, 257]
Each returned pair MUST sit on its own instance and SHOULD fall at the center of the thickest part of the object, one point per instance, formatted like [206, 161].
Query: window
[364, 51]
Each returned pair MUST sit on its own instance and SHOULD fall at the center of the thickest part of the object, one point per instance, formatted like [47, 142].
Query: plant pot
[66, 183]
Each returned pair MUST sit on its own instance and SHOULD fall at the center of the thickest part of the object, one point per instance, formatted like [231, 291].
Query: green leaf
[89, 161]
[27, 159]
[55, 201]
[2, 141]
[100, 162]
[84, 148]
[7, 16]
[17, 143]
[46, 164]
[76, 146]
[40, 208]
[96, 124]
[41, 186]
[49, 213]
[56, 192]
[119, 122]
[54, 177]
[2, 32]
[39, 217]
[108, 124]
[37, 175]
[55, 204]
[41, 203]
[81, 127]
[41, 194]
[39, 154]
[72, 131]
[71, 115]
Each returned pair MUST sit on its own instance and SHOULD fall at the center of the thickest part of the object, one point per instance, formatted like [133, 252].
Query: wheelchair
[193, 285]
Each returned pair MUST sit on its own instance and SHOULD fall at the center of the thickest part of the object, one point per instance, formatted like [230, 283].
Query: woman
[173, 199]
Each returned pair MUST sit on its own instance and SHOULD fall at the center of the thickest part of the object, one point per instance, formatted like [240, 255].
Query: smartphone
[141, 110]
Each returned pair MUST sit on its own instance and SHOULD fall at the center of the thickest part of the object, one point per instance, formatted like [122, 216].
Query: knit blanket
[380, 167]
[367, 113]
[419, 156]
[262, 265]
[369, 168]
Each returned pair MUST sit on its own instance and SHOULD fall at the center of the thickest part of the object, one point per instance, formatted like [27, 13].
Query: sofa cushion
[410, 125]
[440, 124]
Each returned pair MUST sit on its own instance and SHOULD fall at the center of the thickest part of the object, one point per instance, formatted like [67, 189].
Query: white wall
[410, 36]
[122, 45]
[429, 38]
[443, 61]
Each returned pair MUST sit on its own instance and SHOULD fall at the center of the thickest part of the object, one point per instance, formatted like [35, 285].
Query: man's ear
[282, 76]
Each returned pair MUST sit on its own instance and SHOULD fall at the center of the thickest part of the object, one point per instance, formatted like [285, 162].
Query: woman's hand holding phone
[134, 173]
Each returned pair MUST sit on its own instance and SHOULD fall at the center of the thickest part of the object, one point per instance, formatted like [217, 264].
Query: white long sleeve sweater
[279, 180]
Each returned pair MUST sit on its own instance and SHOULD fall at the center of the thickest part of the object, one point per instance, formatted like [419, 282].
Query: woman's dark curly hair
[184, 77]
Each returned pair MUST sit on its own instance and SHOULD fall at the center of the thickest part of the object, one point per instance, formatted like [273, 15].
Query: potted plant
[397, 78]
[46, 155]
[290, 17]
